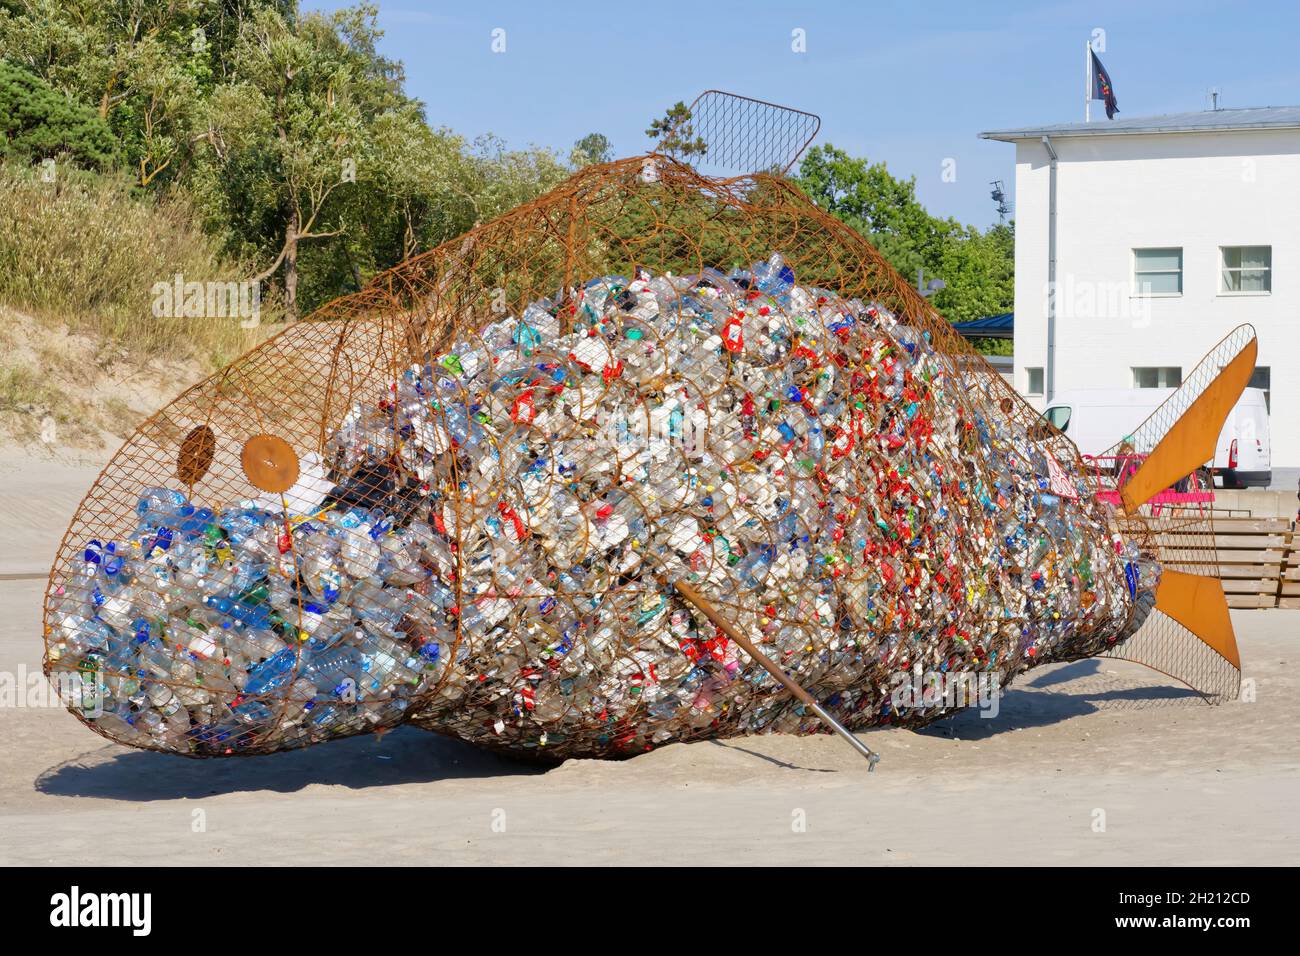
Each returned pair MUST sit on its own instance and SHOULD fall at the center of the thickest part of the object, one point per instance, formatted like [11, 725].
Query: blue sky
[908, 83]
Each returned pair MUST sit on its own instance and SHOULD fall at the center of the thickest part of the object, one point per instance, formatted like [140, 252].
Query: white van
[1096, 419]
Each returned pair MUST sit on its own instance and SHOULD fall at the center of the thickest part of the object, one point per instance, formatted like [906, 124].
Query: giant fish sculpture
[653, 458]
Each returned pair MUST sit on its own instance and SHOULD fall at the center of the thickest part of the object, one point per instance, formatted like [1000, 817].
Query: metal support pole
[706, 607]
[1049, 373]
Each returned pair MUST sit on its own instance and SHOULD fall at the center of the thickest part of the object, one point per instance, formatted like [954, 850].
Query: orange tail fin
[1178, 438]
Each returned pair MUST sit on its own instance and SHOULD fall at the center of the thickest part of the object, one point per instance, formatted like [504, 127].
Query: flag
[1102, 88]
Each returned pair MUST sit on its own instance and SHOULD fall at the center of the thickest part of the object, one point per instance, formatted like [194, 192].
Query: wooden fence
[1259, 561]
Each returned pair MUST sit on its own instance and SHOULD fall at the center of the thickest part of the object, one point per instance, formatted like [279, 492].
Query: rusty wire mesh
[500, 444]
[741, 135]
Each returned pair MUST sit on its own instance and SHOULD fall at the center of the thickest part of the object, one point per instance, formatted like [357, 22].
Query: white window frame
[1235, 293]
[1138, 293]
[1029, 380]
[1135, 368]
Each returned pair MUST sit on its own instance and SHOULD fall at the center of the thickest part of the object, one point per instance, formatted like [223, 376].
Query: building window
[1262, 377]
[1247, 270]
[1158, 271]
[1033, 381]
[1165, 376]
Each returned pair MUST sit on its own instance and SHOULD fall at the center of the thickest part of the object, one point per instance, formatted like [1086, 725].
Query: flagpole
[1087, 81]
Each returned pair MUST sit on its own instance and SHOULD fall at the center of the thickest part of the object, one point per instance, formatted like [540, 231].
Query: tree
[498, 179]
[978, 268]
[591, 149]
[674, 133]
[884, 209]
[158, 118]
[410, 197]
[38, 122]
[290, 129]
[145, 66]
[289, 133]
[319, 164]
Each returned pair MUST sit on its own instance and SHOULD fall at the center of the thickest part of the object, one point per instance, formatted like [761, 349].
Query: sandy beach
[1092, 763]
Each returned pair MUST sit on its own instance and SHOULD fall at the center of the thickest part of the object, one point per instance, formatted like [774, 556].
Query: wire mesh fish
[475, 497]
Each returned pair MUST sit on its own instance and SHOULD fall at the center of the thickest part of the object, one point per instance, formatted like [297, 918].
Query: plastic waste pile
[479, 551]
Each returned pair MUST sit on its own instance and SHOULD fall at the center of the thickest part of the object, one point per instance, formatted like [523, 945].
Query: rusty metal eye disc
[269, 463]
[195, 456]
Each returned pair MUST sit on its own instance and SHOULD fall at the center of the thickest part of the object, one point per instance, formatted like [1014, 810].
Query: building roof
[992, 327]
[1263, 117]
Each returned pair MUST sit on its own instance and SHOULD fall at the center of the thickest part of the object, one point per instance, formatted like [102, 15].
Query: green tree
[39, 122]
[591, 149]
[408, 198]
[497, 179]
[87, 48]
[146, 66]
[884, 209]
[977, 267]
[321, 165]
[674, 133]
[290, 129]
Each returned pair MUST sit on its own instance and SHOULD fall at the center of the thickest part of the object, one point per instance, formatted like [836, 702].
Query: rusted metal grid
[742, 135]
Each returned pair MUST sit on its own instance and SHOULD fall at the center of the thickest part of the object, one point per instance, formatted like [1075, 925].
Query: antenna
[743, 135]
[1000, 198]
[1214, 98]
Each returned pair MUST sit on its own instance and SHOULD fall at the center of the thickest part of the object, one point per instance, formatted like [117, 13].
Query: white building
[1162, 234]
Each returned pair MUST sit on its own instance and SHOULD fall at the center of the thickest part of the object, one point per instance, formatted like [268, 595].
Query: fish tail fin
[1189, 635]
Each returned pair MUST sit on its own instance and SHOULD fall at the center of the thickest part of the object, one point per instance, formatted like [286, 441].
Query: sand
[1092, 763]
